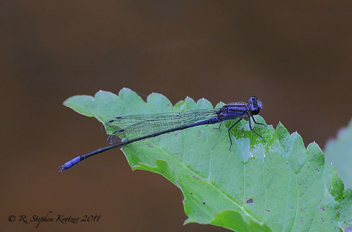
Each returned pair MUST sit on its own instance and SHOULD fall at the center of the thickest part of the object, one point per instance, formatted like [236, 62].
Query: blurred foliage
[339, 152]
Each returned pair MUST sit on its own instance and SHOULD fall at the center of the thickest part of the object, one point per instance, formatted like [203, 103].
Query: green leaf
[278, 185]
[339, 152]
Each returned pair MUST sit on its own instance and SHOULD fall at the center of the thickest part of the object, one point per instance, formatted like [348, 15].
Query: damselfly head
[255, 104]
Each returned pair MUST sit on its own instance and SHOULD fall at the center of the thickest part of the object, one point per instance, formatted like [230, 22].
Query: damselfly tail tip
[69, 164]
[62, 168]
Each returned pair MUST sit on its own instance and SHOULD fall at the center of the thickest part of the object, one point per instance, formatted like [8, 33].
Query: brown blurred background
[295, 56]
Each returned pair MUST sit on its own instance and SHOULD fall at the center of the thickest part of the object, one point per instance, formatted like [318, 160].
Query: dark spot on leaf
[291, 207]
[191, 193]
[196, 178]
[268, 210]
[317, 170]
[249, 201]
[322, 208]
[150, 146]
[203, 202]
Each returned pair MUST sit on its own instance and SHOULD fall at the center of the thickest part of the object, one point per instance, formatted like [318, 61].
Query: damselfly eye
[255, 110]
[253, 100]
[256, 105]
